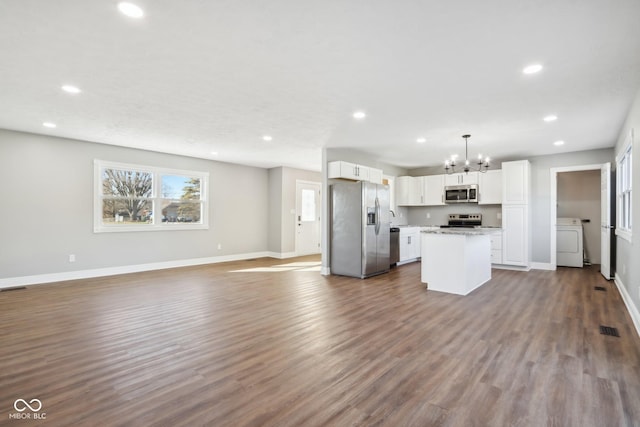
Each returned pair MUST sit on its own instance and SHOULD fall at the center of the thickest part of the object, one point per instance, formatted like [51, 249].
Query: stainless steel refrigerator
[360, 237]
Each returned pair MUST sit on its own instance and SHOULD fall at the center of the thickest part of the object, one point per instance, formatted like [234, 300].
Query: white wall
[578, 196]
[275, 210]
[541, 193]
[628, 253]
[282, 199]
[46, 211]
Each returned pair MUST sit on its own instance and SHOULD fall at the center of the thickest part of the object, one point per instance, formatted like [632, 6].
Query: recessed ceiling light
[267, 138]
[558, 143]
[359, 115]
[214, 153]
[49, 125]
[550, 118]
[421, 140]
[130, 9]
[71, 89]
[532, 69]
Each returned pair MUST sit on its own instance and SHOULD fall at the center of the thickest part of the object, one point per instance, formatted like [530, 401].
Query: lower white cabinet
[496, 248]
[515, 235]
[409, 244]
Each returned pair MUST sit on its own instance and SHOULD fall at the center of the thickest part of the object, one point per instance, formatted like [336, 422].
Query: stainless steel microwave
[461, 193]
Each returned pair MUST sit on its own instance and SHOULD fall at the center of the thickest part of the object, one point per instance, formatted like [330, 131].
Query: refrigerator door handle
[377, 216]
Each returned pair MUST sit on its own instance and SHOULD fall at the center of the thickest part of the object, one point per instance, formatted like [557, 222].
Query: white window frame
[156, 198]
[624, 180]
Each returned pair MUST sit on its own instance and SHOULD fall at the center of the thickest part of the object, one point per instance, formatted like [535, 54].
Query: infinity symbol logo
[26, 405]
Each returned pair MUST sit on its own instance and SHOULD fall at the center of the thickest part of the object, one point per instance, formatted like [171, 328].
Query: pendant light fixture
[481, 165]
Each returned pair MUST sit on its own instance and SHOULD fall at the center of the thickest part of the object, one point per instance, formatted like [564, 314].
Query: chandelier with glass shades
[481, 165]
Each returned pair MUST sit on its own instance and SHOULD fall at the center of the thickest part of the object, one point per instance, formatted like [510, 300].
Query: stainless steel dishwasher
[394, 253]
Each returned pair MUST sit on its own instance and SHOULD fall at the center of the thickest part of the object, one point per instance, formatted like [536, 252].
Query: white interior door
[307, 218]
[606, 225]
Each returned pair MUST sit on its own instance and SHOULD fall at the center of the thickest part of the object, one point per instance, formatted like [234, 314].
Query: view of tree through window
[180, 199]
[138, 198]
[126, 196]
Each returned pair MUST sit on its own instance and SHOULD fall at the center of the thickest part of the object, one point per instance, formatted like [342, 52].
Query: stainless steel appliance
[360, 238]
[461, 193]
[464, 220]
[394, 249]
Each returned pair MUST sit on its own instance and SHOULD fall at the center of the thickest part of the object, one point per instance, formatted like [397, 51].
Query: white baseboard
[628, 302]
[325, 271]
[110, 271]
[542, 266]
[407, 261]
[510, 267]
[282, 255]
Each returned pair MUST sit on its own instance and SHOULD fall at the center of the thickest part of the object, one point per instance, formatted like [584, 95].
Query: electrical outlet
[219, 246]
[624, 268]
[428, 215]
[499, 215]
[72, 258]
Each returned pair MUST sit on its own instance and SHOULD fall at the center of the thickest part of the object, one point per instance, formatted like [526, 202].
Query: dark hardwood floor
[249, 344]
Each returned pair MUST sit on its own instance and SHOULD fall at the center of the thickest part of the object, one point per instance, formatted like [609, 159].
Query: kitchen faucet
[392, 212]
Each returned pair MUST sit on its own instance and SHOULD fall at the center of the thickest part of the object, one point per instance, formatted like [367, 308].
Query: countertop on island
[461, 230]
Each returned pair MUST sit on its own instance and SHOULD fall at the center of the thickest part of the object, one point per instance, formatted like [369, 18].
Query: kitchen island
[456, 260]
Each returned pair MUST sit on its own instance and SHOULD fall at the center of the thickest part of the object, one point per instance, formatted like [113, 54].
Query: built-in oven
[461, 193]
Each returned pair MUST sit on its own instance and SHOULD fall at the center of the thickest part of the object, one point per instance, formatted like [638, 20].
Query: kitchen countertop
[462, 230]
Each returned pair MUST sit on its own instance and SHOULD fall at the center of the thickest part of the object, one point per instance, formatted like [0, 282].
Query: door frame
[553, 202]
[319, 210]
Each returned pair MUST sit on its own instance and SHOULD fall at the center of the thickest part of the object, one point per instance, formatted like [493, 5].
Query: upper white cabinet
[408, 191]
[346, 170]
[419, 190]
[490, 187]
[461, 178]
[375, 175]
[515, 182]
[433, 190]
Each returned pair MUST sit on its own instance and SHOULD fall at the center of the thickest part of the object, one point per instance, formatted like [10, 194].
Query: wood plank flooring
[251, 344]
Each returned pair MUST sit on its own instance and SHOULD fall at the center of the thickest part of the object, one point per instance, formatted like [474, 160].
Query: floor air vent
[600, 288]
[609, 330]
[16, 288]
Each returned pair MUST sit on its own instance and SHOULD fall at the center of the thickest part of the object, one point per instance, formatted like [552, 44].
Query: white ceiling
[193, 77]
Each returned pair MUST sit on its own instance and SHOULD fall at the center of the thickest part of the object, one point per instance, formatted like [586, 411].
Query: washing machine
[569, 244]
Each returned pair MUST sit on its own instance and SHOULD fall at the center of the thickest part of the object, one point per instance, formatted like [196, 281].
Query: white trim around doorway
[553, 203]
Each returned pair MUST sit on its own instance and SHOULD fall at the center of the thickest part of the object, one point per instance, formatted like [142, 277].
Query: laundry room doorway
[582, 195]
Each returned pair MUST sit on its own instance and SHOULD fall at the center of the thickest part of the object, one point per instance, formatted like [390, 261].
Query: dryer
[569, 242]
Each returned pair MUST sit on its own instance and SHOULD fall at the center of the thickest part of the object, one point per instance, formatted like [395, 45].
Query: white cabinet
[515, 235]
[409, 244]
[490, 187]
[420, 190]
[375, 175]
[516, 212]
[515, 182]
[408, 189]
[346, 170]
[496, 248]
[433, 190]
[461, 178]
